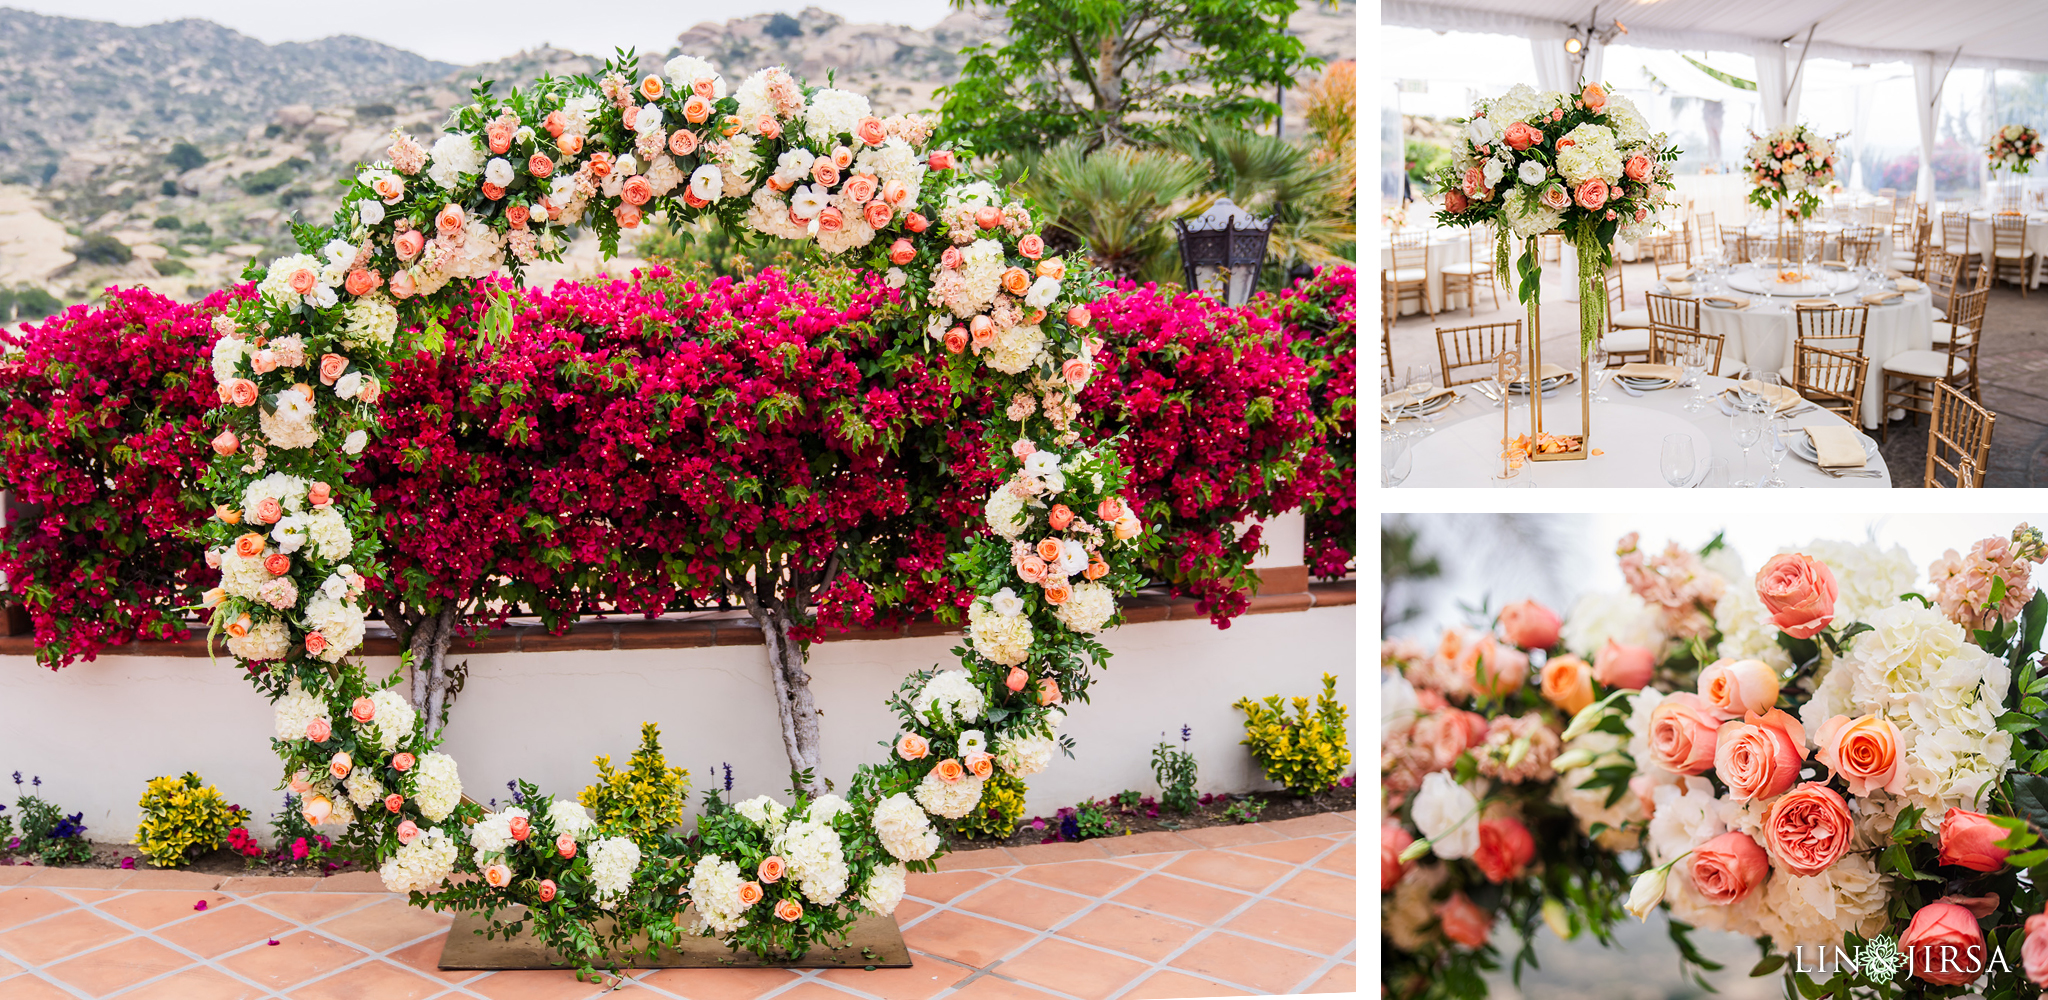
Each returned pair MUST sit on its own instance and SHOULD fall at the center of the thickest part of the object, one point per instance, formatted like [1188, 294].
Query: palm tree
[1118, 201]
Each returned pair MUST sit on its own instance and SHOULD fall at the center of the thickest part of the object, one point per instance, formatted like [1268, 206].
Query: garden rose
[408, 245]
[2034, 953]
[1016, 280]
[1945, 944]
[303, 281]
[1521, 135]
[318, 730]
[600, 165]
[389, 188]
[1865, 752]
[1760, 756]
[911, 746]
[408, 831]
[1682, 734]
[824, 171]
[1799, 592]
[1594, 97]
[497, 875]
[1475, 184]
[316, 643]
[547, 890]
[1808, 829]
[789, 911]
[1017, 679]
[682, 142]
[518, 215]
[750, 893]
[767, 127]
[1556, 197]
[1075, 371]
[1059, 517]
[394, 802]
[1048, 691]
[241, 392]
[331, 367]
[1393, 840]
[771, 869]
[277, 564]
[362, 281]
[341, 763]
[988, 217]
[956, 340]
[869, 131]
[520, 827]
[1530, 625]
[1625, 667]
[1097, 569]
[860, 187]
[629, 216]
[637, 190]
[1567, 682]
[1110, 508]
[842, 157]
[1729, 867]
[363, 710]
[1505, 848]
[878, 213]
[401, 762]
[1455, 201]
[1637, 168]
[1735, 688]
[565, 845]
[1031, 568]
[499, 136]
[268, 511]
[1464, 921]
[1970, 840]
[1593, 193]
[940, 159]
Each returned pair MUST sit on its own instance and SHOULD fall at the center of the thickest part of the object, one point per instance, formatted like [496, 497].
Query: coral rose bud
[316, 643]
[1017, 679]
[565, 845]
[916, 223]
[901, 252]
[547, 890]
[318, 730]
[227, 514]
[940, 159]
[402, 762]
[1625, 667]
[1048, 691]
[408, 831]
[988, 217]
[911, 746]
[319, 494]
[341, 763]
[1737, 687]
[394, 802]
[1110, 508]
[240, 626]
[1567, 682]
[788, 911]
[227, 443]
[956, 340]
[771, 869]
[1464, 922]
[497, 875]
[1078, 316]
[1970, 840]
[1729, 867]
[363, 710]
[1530, 625]
[1059, 517]
[520, 827]
[1944, 944]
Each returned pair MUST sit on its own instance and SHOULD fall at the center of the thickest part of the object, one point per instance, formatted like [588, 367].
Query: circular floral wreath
[301, 365]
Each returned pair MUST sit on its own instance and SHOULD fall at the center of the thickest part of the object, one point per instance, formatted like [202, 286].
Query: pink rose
[1530, 625]
[402, 762]
[1492, 668]
[767, 127]
[1475, 183]
[1031, 246]
[450, 219]
[316, 644]
[860, 187]
[878, 213]
[1970, 840]
[831, 220]
[983, 331]
[389, 187]
[842, 157]
[1737, 687]
[1619, 666]
[1059, 516]
[403, 286]
[1505, 848]
[547, 890]
[1760, 756]
[697, 109]
[2034, 953]
[1729, 867]
[1556, 197]
[555, 123]
[518, 215]
[600, 165]
[1393, 840]
[1808, 829]
[1682, 734]
[1110, 508]
[988, 217]
[869, 131]
[1637, 168]
[1464, 921]
[341, 763]
[499, 136]
[824, 171]
[565, 845]
[1075, 371]
[1593, 193]
[1079, 317]
[1865, 753]
[1521, 135]
[362, 710]
[408, 831]
[1048, 691]
[895, 192]
[1557, 114]
[394, 802]
[1944, 944]
[682, 142]
[318, 730]
[1799, 592]
[408, 246]
[941, 159]
[331, 367]
[951, 258]
[1031, 568]
[901, 252]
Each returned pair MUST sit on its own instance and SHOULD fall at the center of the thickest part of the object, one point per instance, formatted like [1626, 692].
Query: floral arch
[302, 364]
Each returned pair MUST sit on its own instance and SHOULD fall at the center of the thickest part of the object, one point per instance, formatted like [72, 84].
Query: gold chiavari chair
[1955, 235]
[1734, 244]
[1387, 333]
[1674, 252]
[1837, 329]
[1667, 346]
[2011, 258]
[1965, 326]
[1467, 353]
[1410, 273]
[1959, 442]
[1619, 315]
[1942, 271]
[1910, 377]
[1833, 380]
[1703, 225]
[1477, 268]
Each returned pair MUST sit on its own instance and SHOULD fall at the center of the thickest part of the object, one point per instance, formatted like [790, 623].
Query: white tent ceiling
[2006, 34]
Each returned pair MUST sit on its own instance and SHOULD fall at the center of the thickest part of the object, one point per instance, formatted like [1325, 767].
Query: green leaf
[1770, 963]
[2028, 859]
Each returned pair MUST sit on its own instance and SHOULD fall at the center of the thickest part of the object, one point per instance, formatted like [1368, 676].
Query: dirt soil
[1279, 805]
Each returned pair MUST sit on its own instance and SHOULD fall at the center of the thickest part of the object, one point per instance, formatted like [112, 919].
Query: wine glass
[1749, 423]
[1422, 381]
[1397, 457]
[1776, 443]
[1601, 359]
[1676, 459]
[1695, 360]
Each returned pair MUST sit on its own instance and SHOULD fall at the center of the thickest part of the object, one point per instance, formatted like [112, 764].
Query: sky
[467, 33]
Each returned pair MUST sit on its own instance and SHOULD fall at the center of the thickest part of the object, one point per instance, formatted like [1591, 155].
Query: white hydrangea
[289, 491]
[363, 788]
[831, 113]
[242, 577]
[422, 865]
[1004, 639]
[826, 808]
[905, 831]
[949, 799]
[981, 268]
[1630, 128]
[295, 709]
[568, 816]
[1618, 615]
[715, 894]
[291, 424]
[268, 640]
[817, 861]
[1088, 609]
[1685, 816]
[437, 787]
[1005, 513]
[492, 835]
[1017, 348]
[1529, 218]
[1747, 632]
[978, 194]
[953, 696]
[369, 321]
[613, 861]
[276, 287]
[884, 889]
[228, 353]
[328, 531]
[763, 811]
[394, 719]
[684, 71]
[1024, 756]
[1517, 104]
[1591, 154]
[339, 621]
[452, 156]
[1589, 806]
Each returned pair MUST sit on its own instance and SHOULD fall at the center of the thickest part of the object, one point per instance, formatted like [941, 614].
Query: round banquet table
[1980, 236]
[1464, 449]
[1761, 335]
[1831, 235]
[1446, 246]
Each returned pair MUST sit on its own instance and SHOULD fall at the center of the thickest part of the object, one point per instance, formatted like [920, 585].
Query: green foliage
[1094, 819]
[1306, 753]
[1424, 160]
[182, 816]
[185, 156]
[1001, 809]
[99, 248]
[1310, 198]
[1119, 201]
[782, 25]
[704, 246]
[1174, 768]
[271, 178]
[642, 801]
[1245, 810]
[170, 266]
[45, 833]
[27, 302]
[1110, 71]
[169, 222]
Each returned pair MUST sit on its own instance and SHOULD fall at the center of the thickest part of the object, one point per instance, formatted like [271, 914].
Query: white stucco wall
[96, 732]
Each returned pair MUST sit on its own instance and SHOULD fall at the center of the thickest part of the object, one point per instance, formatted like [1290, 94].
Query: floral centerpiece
[1585, 163]
[2013, 148]
[1788, 168]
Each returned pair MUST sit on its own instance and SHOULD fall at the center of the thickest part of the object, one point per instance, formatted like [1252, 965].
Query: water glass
[1422, 381]
[1397, 458]
[1777, 441]
[1676, 459]
[1695, 360]
[1749, 421]
[1601, 359]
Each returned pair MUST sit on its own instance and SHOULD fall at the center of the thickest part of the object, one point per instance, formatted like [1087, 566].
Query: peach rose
[1031, 245]
[214, 595]
[315, 810]
[767, 127]
[824, 171]
[1530, 625]
[650, 87]
[1637, 168]
[1970, 840]
[956, 340]
[980, 764]
[315, 643]
[547, 890]
[499, 136]
[1682, 734]
[569, 145]
[449, 220]
[341, 763]
[637, 190]
[540, 165]
[951, 258]
[520, 827]
[860, 187]
[389, 187]
[497, 875]
[268, 511]
[771, 869]
[1110, 508]
[1626, 667]
[789, 911]
[705, 87]
[362, 710]
[402, 762]
[682, 142]
[911, 746]
[600, 165]
[227, 514]
[1944, 944]
[277, 564]
[1567, 682]
[249, 545]
[1049, 549]
[331, 367]
[1594, 97]
[303, 281]
[1075, 371]
[1048, 691]
[1505, 848]
[842, 157]
[1057, 591]
[318, 729]
[831, 220]
[697, 110]
[916, 223]
[940, 159]
[1464, 921]
[518, 215]
[394, 802]
[895, 192]
[1059, 517]
[1080, 317]
[1556, 197]
[628, 216]
[403, 286]
[2034, 953]
[301, 783]
[1031, 568]
[988, 217]
[1097, 569]
[1393, 840]
[1735, 688]
[878, 213]
[869, 131]
[1017, 679]
[750, 893]
[1492, 668]
[1729, 867]
[1455, 201]
[1799, 592]
[901, 252]
[1521, 135]
[1593, 193]
[1760, 756]
[1808, 829]
[949, 771]
[565, 845]
[1865, 752]
[408, 831]
[362, 281]
[408, 246]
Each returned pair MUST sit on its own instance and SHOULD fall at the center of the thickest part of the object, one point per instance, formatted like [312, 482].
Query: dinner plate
[1646, 384]
[1521, 388]
[1424, 408]
[1802, 446]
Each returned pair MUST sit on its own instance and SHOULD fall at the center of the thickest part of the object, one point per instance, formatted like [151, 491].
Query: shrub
[643, 800]
[99, 248]
[182, 817]
[1320, 319]
[1305, 753]
[185, 156]
[1001, 810]
[169, 222]
[46, 834]
[1245, 810]
[1174, 769]
[271, 178]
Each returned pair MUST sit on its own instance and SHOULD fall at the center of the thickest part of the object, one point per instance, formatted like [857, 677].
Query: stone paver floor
[1224, 911]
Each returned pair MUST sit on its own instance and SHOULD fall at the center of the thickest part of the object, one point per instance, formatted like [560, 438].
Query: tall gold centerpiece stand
[1534, 380]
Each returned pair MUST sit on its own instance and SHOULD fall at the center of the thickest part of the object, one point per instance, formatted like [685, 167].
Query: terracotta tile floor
[1260, 909]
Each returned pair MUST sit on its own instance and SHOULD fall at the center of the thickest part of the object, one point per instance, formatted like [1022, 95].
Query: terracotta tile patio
[1267, 908]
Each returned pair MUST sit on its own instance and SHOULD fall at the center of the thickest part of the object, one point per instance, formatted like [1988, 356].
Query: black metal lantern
[1222, 249]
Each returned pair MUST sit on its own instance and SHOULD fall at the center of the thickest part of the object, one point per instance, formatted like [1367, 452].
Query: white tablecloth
[1980, 236]
[1629, 433]
[1761, 335]
[1446, 246]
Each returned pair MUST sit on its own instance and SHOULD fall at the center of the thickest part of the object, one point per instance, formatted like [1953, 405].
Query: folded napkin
[1548, 372]
[1880, 298]
[1678, 287]
[1729, 301]
[1781, 397]
[1837, 446]
[1909, 284]
[1406, 397]
[1813, 303]
[1644, 369]
[1894, 273]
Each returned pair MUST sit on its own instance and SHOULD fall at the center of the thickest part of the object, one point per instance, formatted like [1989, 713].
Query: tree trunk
[427, 636]
[793, 702]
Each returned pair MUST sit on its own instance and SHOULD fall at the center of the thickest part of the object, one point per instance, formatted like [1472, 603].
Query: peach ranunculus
[1594, 96]
[1521, 135]
[1491, 668]
[1970, 840]
[950, 770]
[750, 893]
[1945, 944]
[1864, 752]
[1759, 757]
[1735, 688]
[1808, 829]
[497, 875]
[771, 868]
[363, 710]
[789, 911]
[1530, 625]
[1464, 921]
[1625, 667]
[1799, 592]
[1729, 867]
[2034, 953]
[682, 142]
[1682, 734]
[1505, 848]
[1393, 840]
[1567, 682]
[911, 746]
[1593, 193]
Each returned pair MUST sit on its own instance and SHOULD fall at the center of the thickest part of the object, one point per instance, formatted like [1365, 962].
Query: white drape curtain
[1775, 88]
[1927, 80]
[1553, 64]
[1596, 59]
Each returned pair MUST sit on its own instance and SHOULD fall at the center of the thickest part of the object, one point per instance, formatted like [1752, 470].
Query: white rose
[370, 211]
[353, 444]
[1006, 602]
[1532, 172]
[1480, 131]
[707, 182]
[1448, 815]
[498, 171]
[1493, 171]
[348, 385]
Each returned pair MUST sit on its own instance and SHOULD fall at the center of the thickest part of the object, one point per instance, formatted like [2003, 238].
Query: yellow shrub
[1306, 753]
[1001, 808]
[181, 814]
[643, 800]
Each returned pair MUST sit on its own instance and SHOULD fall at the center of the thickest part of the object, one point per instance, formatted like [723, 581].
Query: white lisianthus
[348, 385]
[1042, 293]
[437, 787]
[1006, 602]
[289, 533]
[905, 831]
[972, 741]
[648, 121]
[613, 861]
[794, 163]
[807, 201]
[884, 889]
[369, 211]
[423, 865]
[1448, 815]
[950, 697]
[707, 182]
